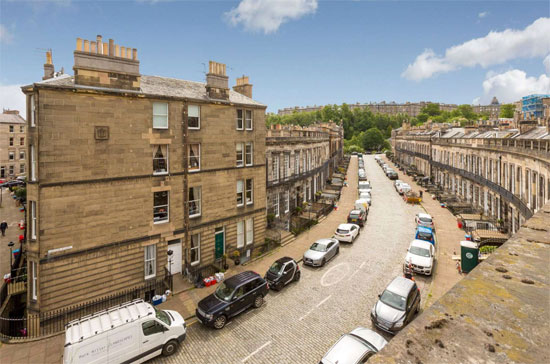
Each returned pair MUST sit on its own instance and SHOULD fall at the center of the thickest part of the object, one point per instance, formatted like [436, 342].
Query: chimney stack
[217, 82]
[48, 66]
[106, 64]
[243, 87]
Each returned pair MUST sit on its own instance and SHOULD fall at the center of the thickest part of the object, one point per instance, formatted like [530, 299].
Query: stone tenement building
[504, 173]
[13, 148]
[299, 161]
[391, 108]
[126, 167]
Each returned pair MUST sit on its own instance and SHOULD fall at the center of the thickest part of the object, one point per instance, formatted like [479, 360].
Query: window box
[160, 115]
[161, 207]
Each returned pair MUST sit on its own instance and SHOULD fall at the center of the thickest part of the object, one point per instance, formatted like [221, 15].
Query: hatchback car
[321, 252]
[425, 233]
[233, 296]
[392, 175]
[356, 347]
[364, 195]
[347, 232]
[358, 217]
[282, 272]
[420, 257]
[396, 306]
[403, 188]
[423, 219]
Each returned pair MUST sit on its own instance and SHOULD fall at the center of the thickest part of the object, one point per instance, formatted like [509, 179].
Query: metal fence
[29, 325]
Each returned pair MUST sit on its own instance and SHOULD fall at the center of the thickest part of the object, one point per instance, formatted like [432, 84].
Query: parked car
[347, 232]
[396, 183]
[356, 347]
[321, 252]
[420, 257]
[362, 205]
[21, 178]
[396, 306]
[133, 332]
[12, 183]
[364, 185]
[387, 171]
[403, 188]
[423, 219]
[425, 233]
[393, 175]
[357, 216]
[283, 271]
[233, 296]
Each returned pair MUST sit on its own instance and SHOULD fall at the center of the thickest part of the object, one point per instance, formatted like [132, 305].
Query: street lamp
[11, 244]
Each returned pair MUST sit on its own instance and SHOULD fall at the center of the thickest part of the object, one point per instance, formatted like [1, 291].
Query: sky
[299, 52]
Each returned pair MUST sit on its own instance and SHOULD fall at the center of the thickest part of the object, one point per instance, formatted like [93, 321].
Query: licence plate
[353, 220]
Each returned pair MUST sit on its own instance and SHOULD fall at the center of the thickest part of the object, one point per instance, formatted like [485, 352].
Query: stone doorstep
[193, 295]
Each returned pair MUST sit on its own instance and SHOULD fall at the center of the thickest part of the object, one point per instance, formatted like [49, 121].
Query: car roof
[347, 350]
[240, 278]
[372, 337]
[324, 241]
[422, 214]
[400, 285]
[424, 229]
[355, 211]
[421, 244]
[345, 226]
[284, 260]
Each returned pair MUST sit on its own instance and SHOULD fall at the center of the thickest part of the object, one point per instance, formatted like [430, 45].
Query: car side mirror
[379, 295]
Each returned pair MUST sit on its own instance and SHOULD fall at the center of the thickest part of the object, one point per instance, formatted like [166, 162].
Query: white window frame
[197, 157]
[164, 148]
[275, 158]
[240, 120]
[11, 156]
[11, 170]
[189, 107]
[247, 120]
[239, 147]
[160, 115]
[240, 234]
[249, 161]
[287, 201]
[33, 114]
[33, 220]
[196, 248]
[11, 138]
[33, 164]
[152, 258]
[240, 192]
[251, 190]
[21, 155]
[198, 201]
[21, 168]
[21, 129]
[276, 204]
[12, 129]
[167, 208]
[249, 231]
[34, 288]
[296, 163]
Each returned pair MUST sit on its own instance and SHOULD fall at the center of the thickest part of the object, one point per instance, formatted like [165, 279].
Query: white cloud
[268, 15]
[5, 35]
[494, 48]
[511, 86]
[483, 14]
[546, 63]
[12, 98]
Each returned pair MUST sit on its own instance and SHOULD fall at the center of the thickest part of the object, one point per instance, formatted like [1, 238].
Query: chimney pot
[123, 52]
[106, 49]
[134, 54]
[79, 44]
[111, 47]
[117, 51]
[99, 45]
[86, 45]
[93, 48]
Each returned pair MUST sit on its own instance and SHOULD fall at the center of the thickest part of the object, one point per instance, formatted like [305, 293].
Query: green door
[219, 238]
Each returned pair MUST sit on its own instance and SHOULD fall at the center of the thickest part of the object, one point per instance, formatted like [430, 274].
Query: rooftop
[11, 117]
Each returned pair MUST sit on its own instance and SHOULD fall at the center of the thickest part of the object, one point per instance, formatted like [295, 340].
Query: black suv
[233, 296]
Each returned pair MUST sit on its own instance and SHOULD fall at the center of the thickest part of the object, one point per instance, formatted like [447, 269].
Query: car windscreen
[161, 315]
[318, 247]
[342, 231]
[424, 236]
[426, 220]
[416, 250]
[355, 215]
[393, 300]
[276, 268]
[224, 292]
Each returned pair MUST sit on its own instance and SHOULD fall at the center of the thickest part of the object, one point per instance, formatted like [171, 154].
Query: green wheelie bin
[469, 254]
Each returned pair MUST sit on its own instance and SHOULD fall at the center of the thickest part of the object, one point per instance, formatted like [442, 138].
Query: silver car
[356, 347]
[321, 252]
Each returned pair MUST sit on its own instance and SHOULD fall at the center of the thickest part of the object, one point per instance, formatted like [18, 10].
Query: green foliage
[374, 140]
[21, 193]
[468, 112]
[507, 110]
[431, 110]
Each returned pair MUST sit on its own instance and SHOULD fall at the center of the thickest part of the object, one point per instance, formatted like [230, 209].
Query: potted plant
[236, 256]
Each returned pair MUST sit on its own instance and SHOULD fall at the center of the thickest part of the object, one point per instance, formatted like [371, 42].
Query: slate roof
[158, 86]
[11, 119]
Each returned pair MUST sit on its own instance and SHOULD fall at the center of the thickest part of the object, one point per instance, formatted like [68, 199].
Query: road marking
[323, 301]
[303, 317]
[316, 306]
[357, 270]
[324, 284]
[256, 351]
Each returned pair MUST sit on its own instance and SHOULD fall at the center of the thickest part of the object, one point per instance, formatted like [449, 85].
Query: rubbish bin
[469, 254]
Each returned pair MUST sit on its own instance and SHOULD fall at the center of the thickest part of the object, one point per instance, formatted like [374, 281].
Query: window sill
[241, 205]
[149, 277]
[249, 165]
[193, 128]
[195, 263]
[160, 173]
[240, 129]
[160, 222]
[195, 216]
[240, 166]
[250, 203]
[194, 170]
[249, 129]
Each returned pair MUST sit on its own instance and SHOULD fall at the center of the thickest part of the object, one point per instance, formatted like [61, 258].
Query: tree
[431, 109]
[373, 139]
[467, 111]
[507, 110]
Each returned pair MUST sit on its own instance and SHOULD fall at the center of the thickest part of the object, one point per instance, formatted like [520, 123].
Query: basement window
[160, 115]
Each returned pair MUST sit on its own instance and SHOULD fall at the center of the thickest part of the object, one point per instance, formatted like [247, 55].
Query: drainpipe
[185, 134]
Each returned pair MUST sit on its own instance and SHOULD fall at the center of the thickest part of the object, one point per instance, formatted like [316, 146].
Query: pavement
[300, 323]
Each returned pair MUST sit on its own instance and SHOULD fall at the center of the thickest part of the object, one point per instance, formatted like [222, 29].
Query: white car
[423, 219]
[420, 257]
[397, 183]
[355, 347]
[347, 232]
[366, 196]
[403, 188]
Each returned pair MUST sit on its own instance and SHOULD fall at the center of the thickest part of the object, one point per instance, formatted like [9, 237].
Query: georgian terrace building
[504, 173]
[13, 146]
[299, 161]
[126, 167]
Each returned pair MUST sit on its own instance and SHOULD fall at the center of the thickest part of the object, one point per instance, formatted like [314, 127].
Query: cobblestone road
[300, 323]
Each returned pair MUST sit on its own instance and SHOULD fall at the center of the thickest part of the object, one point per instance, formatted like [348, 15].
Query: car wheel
[279, 286]
[297, 276]
[220, 322]
[337, 251]
[258, 301]
[170, 348]
[323, 262]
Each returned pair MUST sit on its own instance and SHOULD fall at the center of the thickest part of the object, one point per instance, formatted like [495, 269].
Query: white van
[361, 204]
[133, 332]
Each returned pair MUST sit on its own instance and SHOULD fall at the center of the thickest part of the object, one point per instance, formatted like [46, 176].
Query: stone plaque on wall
[101, 132]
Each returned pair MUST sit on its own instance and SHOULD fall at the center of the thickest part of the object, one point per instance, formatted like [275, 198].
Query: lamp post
[170, 253]
[11, 244]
